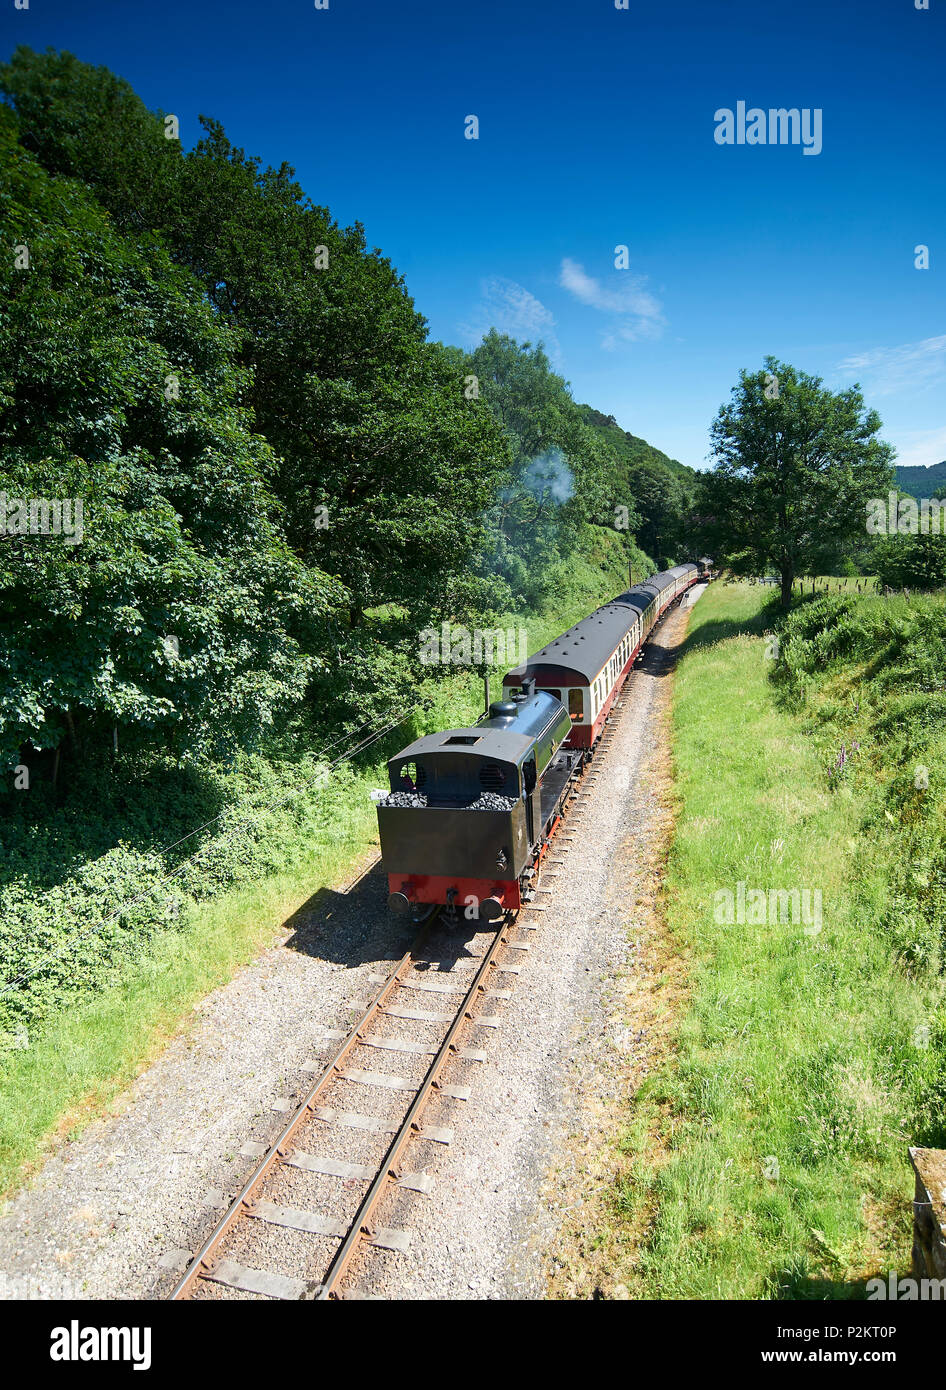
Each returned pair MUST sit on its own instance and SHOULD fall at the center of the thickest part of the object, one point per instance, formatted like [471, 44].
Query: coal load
[404, 799]
[486, 801]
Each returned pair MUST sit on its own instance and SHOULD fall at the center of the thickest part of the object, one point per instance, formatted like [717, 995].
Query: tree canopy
[384, 465]
[570, 469]
[281, 479]
[796, 465]
[181, 605]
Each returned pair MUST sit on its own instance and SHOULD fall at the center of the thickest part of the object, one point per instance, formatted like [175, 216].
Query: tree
[174, 605]
[562, 474]
[795, 467]
[912, 562]
[385, 465]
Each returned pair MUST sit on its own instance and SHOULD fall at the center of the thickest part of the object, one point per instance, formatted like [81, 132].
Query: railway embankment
[119, 1211]
[126, 906]
[762, 1152]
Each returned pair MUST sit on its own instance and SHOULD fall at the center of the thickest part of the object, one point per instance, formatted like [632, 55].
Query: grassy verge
[766, 1158]
[62, 1066]
[76, 1064]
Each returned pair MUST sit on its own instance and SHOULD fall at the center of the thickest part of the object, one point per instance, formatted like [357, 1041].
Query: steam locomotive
[471, 812]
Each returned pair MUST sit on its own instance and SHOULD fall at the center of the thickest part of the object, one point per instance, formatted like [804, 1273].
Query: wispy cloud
[888, 371]
[921, 447]
[634, 312]
[511, 308]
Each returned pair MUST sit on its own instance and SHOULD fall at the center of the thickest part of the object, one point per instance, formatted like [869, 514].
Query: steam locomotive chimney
[528, 686]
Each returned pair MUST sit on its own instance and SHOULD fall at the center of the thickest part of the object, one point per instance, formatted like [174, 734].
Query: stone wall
[929, 1213]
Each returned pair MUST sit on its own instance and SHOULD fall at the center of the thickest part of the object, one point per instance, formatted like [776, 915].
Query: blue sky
[597, 130]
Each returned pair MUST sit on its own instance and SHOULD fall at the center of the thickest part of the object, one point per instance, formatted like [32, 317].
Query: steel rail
[388, 1171]
[202, 1261]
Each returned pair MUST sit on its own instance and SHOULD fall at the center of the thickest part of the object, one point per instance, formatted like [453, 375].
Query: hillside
[923, 482]
[662, 488]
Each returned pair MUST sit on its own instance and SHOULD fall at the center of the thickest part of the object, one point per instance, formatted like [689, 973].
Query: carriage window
[556, 693]
[575, 705]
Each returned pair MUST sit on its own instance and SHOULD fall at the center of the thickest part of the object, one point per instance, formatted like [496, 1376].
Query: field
[767, 1157]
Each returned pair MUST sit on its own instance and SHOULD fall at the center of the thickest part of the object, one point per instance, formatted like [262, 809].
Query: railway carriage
[586, 667]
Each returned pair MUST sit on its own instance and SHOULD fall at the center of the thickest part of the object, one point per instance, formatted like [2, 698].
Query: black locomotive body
[470, 810]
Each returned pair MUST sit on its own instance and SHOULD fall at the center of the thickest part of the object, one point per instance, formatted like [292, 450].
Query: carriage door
[529, 778]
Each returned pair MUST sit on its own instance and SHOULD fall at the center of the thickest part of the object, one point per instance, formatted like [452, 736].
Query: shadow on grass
[721, 629]
[796, 1284]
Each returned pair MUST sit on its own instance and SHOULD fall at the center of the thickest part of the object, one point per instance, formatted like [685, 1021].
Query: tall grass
[807, 1059]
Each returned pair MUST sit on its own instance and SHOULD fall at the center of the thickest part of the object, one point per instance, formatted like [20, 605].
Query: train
[471, 812]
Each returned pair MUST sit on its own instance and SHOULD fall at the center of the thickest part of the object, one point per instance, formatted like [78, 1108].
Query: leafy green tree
[912, 562]
[562, 475]
[175, 606]
[795, 467]
[385, 463]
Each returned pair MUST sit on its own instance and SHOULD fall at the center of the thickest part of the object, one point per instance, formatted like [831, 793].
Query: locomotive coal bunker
[470, 809]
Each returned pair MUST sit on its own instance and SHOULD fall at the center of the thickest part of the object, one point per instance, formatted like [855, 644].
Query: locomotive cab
[466, 814]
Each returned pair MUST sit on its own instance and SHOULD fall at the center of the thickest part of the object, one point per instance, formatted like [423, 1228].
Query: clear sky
[596, 129]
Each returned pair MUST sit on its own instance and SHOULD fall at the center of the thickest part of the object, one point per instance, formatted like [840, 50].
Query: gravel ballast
[112, 1214]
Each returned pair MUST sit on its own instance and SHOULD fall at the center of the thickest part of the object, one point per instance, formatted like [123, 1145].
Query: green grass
[767, 1157]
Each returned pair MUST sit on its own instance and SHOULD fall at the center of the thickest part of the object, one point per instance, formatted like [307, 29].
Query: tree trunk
[788, 579]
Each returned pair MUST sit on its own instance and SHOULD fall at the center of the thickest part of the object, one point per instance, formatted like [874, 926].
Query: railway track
[305, 1222]
[319, 1137]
